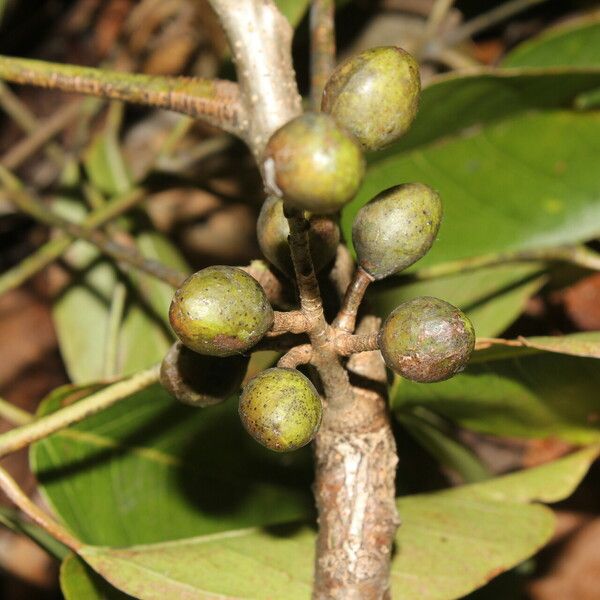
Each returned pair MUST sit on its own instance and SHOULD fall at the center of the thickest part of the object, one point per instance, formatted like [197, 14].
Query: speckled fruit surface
[427, 340]
[396, 228]
[280, 409]
[375, 95]
[315, 163]
[272, 230]
[220, 311]
[200, 380]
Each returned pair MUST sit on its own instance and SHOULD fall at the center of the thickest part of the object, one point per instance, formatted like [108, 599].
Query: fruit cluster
[315, 164]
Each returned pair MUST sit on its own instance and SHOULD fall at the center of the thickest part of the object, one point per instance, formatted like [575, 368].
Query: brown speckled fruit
[272, 231]
[200, 380]
[396, 228]
[426, 340]
[315, 164]
[220, 311]
[281, 409]
[375, 95]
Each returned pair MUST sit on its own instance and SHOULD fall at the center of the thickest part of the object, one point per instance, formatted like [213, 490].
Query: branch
[44, 131]
[576, 255]
[481, 23]
[30, 205]
[346, 345]
[260, 38]
[215, 101]
[292, 321]
[13, 414]
[53, 249]
[11, 488]
[322, 49]
[36, 430]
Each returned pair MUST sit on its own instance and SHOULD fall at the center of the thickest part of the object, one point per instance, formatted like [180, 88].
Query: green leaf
[492, 297]
[525, 182]
[453, 103]
[575, 43]
[515, 391]
[105, 164]
[585, 344]
[150, 469]
[80, 582]
[449, 544]
[448, 451]
[294, 10]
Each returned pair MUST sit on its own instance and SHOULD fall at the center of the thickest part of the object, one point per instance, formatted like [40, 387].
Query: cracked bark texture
[354, 489]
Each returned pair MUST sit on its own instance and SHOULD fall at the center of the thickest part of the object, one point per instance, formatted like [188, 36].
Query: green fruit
[281, 409]
[374, 95]
[272, 230]
[396, 228]
[314, 163]
[426, 340]
[220, 311]
[200, 380]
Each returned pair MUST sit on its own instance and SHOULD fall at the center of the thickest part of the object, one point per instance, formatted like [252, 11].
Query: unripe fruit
[396, 228]
[426, 340]
[220, 311]
[374, 95]
[281, 409]
[314, 163]
[272, 230]
[200, 380]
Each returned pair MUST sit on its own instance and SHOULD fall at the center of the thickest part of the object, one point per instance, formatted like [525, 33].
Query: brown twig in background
[322, 54]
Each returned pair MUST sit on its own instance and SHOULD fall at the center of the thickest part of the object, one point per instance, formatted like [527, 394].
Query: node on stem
[273, 231]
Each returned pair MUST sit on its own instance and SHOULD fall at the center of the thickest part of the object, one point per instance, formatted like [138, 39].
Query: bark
[354, 489]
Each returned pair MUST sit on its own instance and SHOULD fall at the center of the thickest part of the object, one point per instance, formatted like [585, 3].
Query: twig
[292, 321]
[347, 345]
[322, 48]
[43, 132]
[485, 21]
[576, 255]
[27, 434]
[346, 318]
[123, 254]
[436, 17]
[13, 414]
[27, 121]
[214, 101]
[260, 38]
[299, 355]
[53, 249]
[11, 488]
